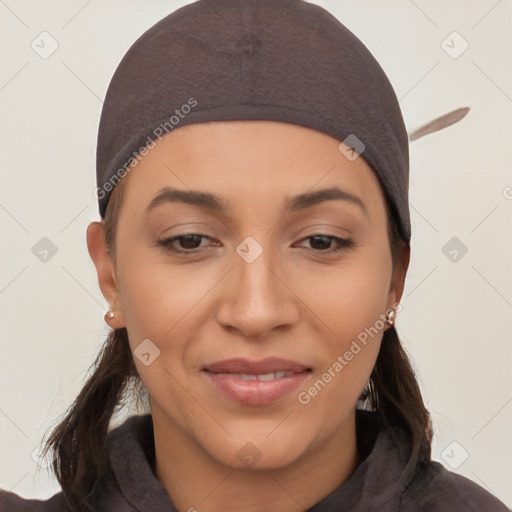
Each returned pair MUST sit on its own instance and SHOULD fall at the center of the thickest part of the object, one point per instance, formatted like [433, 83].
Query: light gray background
[456, 317]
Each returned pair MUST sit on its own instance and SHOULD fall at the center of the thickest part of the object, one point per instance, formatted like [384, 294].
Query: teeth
[270, 376]
[266, 376]
[247, 377]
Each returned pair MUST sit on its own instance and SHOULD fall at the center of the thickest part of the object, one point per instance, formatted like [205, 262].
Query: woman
[252, 173]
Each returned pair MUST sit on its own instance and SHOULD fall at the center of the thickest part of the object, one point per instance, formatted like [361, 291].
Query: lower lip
[255, 392]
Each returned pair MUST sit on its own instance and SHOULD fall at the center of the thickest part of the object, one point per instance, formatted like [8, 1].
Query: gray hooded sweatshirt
[383, 481]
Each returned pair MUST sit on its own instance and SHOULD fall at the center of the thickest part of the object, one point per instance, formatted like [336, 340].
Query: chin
[256, 451]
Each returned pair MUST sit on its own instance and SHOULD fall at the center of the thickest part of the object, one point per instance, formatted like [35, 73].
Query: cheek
[155, 296]
[166, 304]
[347, 304]
[350, 339]
[349, 298]
[158, 303]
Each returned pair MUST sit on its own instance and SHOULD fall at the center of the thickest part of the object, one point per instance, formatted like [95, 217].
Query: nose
[258, 298]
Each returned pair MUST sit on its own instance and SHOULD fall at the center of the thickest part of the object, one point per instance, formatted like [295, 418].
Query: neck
[195, 481]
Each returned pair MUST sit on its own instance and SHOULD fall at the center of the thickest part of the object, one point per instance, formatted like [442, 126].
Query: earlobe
[398, 284]
[105, 269]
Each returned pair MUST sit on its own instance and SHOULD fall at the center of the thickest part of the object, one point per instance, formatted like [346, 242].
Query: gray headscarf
[288, 61]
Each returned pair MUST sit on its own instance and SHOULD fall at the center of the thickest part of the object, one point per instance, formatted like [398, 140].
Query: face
[256, 274]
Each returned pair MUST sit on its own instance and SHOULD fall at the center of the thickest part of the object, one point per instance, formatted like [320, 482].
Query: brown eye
[186, 243]
[323, 243]
[190, 241]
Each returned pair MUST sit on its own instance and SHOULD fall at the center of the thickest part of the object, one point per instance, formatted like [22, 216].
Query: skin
[298, 300]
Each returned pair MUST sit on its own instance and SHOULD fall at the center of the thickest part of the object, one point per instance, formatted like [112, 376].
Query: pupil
[187, 241]
[326, 240]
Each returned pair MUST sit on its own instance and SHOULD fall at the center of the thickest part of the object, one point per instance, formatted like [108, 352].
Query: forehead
[240, 161]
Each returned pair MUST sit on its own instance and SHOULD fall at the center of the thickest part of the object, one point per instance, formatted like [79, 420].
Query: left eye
[342, 243]
[191, 243]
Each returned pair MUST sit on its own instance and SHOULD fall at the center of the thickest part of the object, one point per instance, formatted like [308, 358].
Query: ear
[398, 282]
[105, 268]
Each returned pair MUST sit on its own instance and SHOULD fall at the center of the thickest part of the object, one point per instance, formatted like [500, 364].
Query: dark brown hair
[78, 441]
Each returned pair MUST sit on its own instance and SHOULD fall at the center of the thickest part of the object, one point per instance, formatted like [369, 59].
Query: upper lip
[248, 367]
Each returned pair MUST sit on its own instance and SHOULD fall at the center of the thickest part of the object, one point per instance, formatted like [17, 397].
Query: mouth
[256, 382]
[258, 376]
[263, 367]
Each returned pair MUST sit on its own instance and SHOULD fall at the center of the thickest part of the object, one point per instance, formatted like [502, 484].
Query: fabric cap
[282, 60]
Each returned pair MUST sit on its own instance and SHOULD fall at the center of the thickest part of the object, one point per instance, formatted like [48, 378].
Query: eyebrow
[215, 203]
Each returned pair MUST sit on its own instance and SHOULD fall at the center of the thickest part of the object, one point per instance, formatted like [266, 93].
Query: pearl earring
[389, 317]
[109, 314]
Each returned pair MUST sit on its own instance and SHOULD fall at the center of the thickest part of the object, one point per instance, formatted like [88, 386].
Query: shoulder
[130, 442]
[11, 502]
[434, 488]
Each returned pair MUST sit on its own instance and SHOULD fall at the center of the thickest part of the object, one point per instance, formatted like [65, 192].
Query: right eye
[188, 242]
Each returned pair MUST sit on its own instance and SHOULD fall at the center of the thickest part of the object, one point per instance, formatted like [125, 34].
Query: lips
[256, 382]
[265, 366]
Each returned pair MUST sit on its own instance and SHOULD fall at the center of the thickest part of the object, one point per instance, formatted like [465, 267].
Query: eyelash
[344, 244]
